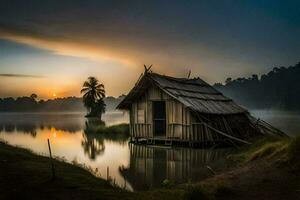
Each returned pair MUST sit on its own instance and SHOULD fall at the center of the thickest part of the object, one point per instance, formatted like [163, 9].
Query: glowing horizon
[45, 49]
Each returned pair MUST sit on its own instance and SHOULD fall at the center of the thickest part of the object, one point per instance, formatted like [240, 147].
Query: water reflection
[93, 140]
[30, 122]
[92, 145]
[69, 122]
[24, 128]
[142, 167]
[150, 166]
[70, 139]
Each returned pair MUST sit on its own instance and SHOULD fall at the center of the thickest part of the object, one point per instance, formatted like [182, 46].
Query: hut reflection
[150, 166]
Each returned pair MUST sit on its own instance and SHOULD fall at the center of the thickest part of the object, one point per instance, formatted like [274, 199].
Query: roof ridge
[186, 81]
[187, 92]
[193, 91]
[170, 77]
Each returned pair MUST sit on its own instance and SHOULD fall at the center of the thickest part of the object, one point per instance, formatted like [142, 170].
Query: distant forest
[278, 89]
[68, 104]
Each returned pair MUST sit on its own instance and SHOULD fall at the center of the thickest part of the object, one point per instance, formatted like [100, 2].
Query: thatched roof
[195, 93]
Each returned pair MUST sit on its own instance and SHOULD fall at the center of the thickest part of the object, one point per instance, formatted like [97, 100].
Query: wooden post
[51, 160]
[107, 173]
[124, 184]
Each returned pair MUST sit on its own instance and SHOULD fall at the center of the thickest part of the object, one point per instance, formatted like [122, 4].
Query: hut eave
[193, 93]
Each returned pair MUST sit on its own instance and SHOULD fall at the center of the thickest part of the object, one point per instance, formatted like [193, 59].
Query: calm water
[141, 167]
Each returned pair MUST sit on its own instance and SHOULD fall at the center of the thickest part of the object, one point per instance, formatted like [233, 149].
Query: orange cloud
[67, 48]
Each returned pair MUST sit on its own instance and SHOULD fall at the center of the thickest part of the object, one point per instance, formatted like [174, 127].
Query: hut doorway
[159, 118]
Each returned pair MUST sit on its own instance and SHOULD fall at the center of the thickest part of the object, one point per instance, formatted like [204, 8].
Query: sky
[51, 47]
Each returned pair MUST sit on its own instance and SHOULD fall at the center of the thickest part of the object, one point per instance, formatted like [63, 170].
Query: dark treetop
[278, 89]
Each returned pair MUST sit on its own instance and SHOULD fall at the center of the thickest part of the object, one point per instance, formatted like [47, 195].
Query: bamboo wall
[181, 123]
[178, 117]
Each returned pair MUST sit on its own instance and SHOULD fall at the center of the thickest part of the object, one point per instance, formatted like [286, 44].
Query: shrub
[167, 183]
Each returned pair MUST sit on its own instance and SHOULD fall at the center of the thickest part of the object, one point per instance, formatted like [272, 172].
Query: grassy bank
[114, 129]
[119, 132]
[24, 175]
[268, 169]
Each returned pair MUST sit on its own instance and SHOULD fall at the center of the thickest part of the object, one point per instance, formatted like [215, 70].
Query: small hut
[182, 110]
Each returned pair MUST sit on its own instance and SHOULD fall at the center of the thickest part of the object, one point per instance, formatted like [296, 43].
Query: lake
[136, 167]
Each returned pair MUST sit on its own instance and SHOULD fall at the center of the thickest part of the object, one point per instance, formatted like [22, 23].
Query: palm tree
[99, 108]
[93, 94]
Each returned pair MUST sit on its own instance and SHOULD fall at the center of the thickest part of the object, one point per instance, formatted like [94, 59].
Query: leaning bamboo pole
[224, 134]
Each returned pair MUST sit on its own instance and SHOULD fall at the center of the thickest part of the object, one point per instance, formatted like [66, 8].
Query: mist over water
[141, 167]
[287, 121]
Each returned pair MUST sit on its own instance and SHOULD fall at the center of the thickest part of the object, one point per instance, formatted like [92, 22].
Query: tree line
[66, 104]
[278, 89]
[31, 104]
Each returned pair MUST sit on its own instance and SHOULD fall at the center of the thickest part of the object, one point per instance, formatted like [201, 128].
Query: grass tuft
[264, 148]
[282, 150]
[167, 183]
[294, 153]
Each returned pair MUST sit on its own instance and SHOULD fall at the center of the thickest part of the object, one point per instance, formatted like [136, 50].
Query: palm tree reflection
[96, 133]
[92, 144]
